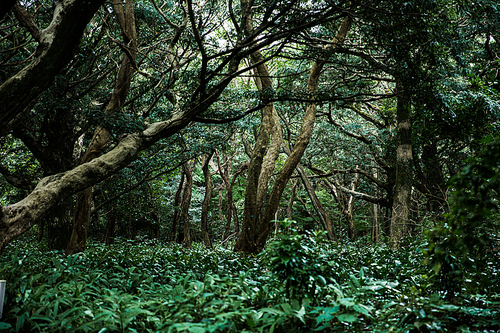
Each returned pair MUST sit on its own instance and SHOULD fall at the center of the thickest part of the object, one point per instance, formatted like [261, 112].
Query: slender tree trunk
[110, 227]
[101, 135]
[289, 208]
[352, 230]
[404, 168]
[220, 202]
[206, 200]
[375, 223]
[235, 212]
[324, 218]
[129, 224]
[375, 214]
[177, 209]
[186, 202]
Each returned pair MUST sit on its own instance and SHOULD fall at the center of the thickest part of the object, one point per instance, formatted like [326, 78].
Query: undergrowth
[300, 283]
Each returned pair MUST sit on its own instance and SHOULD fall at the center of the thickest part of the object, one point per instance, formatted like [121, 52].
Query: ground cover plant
[300, 283]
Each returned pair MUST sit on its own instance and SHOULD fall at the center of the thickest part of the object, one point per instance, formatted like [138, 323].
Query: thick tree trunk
[206, 200]
[404, 168]
[186, 202]
[300, 144]
[262, 161]
[101, 135]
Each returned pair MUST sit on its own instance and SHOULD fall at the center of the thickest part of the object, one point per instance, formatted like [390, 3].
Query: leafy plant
[293, 260]
[460, 250]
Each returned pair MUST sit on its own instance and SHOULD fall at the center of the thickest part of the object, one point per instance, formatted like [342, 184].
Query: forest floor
[298, 284]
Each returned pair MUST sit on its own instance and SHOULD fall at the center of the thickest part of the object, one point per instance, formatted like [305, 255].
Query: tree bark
[58, 228]
[177, 209]
[404, 169]
[101, 135]
[206, 200]
[324, 218]
[301, 142]
[186, 202]
[110, 227]
[289, 208]
[19, 92]
[352, 230]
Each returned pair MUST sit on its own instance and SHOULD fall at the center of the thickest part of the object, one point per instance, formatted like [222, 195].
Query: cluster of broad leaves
[300, 283]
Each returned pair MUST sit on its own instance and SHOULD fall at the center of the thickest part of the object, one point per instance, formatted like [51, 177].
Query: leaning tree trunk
[59, 42]
[206, 200]
[101, 135]
[324, 218]
[404, 168]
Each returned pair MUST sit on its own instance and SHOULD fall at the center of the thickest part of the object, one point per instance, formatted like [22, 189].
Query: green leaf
[5, 326]
[327, 315]
[348, 317]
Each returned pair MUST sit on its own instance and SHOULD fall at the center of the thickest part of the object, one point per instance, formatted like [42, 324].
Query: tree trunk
[375, 223]
[256, 242]
[263, 159]
[101, 135]
[231, 209]
[186, 202]
[177, 209]
[375, 217]
[110, 227]
[206, 200]
[352, 230]
[404, 168]
[324, 218]
[58, 225]
[289, 208]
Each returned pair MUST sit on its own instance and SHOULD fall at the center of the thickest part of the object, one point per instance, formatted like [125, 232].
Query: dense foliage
[339, 161]
[148, 286]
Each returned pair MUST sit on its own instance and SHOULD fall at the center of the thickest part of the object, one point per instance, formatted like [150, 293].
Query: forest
[250, 165]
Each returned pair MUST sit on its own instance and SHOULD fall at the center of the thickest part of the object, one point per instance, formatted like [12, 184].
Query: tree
[101, 135]
[256, 224]
[194, 80]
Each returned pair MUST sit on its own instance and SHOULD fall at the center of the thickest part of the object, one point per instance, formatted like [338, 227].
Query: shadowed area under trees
[334, 162]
